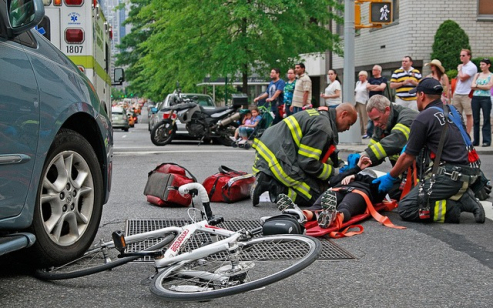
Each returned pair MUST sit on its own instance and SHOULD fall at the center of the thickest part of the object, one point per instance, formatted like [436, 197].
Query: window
[485, 9]
[395, 10]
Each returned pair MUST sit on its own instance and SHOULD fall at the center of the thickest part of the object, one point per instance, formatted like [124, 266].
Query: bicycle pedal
[119, 241]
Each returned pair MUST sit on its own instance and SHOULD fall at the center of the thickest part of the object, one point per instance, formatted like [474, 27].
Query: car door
[19, 123]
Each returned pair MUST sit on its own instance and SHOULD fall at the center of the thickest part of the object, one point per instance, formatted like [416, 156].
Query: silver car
[157, 113]
[119, 118]
[56, 144]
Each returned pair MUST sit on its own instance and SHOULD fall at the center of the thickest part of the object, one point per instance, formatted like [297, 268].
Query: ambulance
[79, 29]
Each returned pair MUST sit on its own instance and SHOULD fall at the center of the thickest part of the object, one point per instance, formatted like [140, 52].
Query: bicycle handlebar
[202, 193]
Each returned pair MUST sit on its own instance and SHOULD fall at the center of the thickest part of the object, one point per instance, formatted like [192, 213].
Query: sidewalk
[356, 148]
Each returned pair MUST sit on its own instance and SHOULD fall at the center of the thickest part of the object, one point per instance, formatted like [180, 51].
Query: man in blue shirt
[274, 94]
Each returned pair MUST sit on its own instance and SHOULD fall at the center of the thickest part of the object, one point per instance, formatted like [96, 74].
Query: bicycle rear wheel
[257, 262]
[99, 259]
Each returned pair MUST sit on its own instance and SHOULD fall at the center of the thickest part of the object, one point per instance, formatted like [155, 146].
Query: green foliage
[189, 40]
[449, 40]
[451, 74]
[117, 93]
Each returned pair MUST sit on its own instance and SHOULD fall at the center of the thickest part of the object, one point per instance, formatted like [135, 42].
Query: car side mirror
[22, 15]
[119, 76]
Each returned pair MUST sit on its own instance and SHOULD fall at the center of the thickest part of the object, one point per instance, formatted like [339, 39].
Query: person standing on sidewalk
[274, 94]
[403, 80]
[465, 74]
[288, 92]
[302, 95]
[376, 85]
[361, 96]
[333, 92]
[481, 100]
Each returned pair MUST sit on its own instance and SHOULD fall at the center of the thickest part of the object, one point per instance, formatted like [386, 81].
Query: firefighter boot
[469, 203]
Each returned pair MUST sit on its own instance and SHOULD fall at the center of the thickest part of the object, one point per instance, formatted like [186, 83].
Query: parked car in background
[158, 114]
[55, 144]
[119, 118]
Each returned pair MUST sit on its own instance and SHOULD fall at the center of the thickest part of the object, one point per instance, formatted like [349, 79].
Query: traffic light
[380, 12]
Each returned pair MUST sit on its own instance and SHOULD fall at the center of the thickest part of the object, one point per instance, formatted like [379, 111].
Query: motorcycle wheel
[226, 133]
[163, 132]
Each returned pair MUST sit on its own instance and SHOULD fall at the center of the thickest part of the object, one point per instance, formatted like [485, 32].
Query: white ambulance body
[79, 29]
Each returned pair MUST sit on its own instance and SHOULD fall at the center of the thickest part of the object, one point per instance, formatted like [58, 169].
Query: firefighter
[297, 156]
[444, 191]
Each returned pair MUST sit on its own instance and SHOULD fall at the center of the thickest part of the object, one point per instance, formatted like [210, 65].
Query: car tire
[69, 201]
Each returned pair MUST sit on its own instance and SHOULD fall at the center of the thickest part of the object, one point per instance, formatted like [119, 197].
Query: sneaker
[329, 212]
[284, 202]
[242, 141]
[365, 136]
[232, 138]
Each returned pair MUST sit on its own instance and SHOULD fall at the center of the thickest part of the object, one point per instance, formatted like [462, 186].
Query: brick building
[412, 33]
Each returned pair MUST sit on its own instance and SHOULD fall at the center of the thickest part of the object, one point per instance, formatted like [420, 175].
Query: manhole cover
[330, 250]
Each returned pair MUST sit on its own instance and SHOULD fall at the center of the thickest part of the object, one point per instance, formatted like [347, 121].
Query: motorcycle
[216, 124]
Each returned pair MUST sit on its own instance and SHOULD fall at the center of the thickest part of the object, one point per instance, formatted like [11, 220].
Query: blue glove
[404, 149]
[343, 169]
[385, 182]
[352, 160]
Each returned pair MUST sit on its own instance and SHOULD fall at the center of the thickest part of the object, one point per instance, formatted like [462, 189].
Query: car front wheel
[69, 200]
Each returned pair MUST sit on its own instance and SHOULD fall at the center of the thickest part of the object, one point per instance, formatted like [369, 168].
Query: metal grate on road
[330, 250]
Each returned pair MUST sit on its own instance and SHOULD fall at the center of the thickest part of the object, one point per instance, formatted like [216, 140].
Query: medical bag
[163, 182]
[228, 185]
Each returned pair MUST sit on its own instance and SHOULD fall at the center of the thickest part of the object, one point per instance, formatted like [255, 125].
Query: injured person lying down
[340, 197]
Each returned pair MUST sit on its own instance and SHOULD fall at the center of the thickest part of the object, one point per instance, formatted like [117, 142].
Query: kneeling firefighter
[297, 156]
[450, 164]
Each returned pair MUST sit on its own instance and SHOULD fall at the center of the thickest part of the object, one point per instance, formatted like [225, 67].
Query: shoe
[469, 203]
[329, 212]
[284, 202]
[233, 138]
[242, 141]
[365, 136]
[475, 144]
[485, 144]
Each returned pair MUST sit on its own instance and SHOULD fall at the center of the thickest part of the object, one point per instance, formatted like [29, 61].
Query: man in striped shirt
[403, 80]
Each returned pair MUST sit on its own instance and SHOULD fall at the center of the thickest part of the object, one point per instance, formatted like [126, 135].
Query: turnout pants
[447, 200]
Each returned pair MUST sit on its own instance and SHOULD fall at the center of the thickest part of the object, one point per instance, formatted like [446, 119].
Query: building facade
[411, 34]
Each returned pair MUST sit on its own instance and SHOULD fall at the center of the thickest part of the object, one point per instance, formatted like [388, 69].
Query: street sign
[380, 12]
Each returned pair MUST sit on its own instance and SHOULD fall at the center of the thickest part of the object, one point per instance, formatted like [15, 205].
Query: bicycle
[224, 263]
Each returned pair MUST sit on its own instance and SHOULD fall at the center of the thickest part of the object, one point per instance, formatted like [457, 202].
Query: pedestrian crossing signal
[380, 12]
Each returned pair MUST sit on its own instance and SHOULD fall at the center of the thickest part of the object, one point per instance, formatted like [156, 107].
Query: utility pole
[353, 135]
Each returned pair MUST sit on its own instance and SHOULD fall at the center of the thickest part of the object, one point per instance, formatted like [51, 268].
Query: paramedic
[449, 194]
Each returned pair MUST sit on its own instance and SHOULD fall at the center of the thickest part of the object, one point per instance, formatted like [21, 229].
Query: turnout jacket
[291, 151]
[391, 141]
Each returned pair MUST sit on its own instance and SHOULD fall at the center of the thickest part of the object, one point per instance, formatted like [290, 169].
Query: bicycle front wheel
[100, 258]
[256, 263]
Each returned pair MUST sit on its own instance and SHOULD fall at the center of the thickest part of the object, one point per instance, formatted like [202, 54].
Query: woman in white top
[333, 92]
[361, 96]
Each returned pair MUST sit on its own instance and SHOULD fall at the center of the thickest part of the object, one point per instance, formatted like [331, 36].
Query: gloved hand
[352, 160]
[385, 182]
[343, 169]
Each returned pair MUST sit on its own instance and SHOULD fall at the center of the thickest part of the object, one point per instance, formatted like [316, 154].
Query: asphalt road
[425, 265]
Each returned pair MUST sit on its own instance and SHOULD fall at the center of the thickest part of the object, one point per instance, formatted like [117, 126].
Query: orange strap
[384, 220]
[411, 180]
[344, 233]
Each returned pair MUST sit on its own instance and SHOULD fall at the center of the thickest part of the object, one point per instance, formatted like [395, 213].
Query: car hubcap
[67, 198]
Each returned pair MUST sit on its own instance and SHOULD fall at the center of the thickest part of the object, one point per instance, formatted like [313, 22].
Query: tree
[449, 40]
[190, 40]
[130, 46]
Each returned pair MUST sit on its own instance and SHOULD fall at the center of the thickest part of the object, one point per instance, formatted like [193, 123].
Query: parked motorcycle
[218, 123]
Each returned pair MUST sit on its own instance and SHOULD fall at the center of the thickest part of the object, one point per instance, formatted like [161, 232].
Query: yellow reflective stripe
[292, 194]
[312, 112]
[295, 129]
[88, 62]
[378, 150]
[255, 170]
[404, 129]
[372, 141]
[275, 168]
[310, 152]
[327, 170]
[440, 210]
